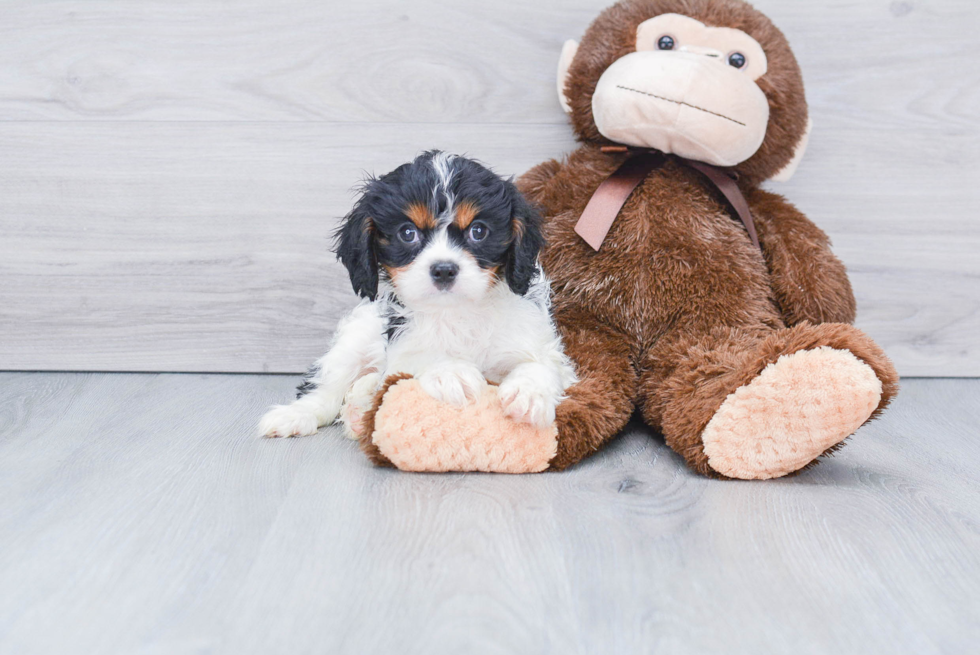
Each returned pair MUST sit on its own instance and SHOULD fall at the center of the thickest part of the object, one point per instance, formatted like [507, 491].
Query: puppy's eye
[408, 233]
[736, 59]
[666, 43]
[478, 231]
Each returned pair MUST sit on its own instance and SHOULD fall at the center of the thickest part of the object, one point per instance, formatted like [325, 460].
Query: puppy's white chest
[428, 339]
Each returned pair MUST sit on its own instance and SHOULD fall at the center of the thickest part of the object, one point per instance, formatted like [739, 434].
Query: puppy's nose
[444, 274]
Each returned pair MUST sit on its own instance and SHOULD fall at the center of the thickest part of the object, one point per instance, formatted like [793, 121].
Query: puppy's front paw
[457, 384]
[527, 400]
[288, 421]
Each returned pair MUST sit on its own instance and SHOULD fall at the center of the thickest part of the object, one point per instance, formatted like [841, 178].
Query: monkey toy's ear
[567, 55]
[354, 245]
[787, 171]
[526, 242]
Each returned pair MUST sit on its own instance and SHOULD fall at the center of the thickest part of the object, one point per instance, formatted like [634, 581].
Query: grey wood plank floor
[140, 514]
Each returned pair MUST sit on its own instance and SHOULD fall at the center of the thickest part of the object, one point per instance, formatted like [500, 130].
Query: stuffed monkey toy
[681, 288]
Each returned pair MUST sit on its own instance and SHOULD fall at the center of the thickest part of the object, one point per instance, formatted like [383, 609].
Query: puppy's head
[444, 230]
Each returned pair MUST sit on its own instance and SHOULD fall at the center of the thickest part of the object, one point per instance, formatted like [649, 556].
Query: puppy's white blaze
[442, 165]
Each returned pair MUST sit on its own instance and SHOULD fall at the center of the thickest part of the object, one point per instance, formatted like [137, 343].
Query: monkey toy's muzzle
[688, 104]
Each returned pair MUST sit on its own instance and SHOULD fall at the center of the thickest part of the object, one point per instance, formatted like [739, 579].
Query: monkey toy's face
[690, 87]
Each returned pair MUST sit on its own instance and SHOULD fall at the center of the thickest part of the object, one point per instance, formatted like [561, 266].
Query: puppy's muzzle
[444, 274]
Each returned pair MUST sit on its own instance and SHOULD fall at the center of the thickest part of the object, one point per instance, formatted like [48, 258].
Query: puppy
[444, 253]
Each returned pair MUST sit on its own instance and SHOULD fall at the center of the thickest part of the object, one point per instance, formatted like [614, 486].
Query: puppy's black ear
[354, 245]
[526, 241]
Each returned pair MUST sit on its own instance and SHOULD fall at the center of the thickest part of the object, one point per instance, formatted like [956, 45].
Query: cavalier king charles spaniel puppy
[445, 254]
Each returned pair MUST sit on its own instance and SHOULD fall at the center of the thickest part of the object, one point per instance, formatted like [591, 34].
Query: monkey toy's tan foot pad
[415, 432]
[791, 413]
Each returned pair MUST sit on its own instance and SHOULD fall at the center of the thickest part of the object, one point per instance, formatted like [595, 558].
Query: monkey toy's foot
[799, 407]
[410, 430]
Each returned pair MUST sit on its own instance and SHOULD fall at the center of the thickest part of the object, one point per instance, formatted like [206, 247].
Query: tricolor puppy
[444, 253]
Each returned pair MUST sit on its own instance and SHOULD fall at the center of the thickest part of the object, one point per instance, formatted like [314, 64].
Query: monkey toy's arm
[809, 282]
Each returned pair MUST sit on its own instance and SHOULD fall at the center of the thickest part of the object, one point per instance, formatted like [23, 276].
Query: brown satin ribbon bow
[609, 198]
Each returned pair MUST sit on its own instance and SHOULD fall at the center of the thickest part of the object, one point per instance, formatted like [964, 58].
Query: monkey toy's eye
[478, 231]
[408, 233]
[666, 43]
[736, 59]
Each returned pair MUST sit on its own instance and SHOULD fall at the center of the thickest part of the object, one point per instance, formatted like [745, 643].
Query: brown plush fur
[679, 309]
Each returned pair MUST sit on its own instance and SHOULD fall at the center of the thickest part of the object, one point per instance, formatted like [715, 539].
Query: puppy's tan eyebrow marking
[421, 215]
[465, 214]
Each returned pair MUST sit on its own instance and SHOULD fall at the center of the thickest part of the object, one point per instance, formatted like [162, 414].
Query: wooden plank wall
[170, 171]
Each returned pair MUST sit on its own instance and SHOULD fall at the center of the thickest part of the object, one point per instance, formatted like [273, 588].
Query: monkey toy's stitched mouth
[680, 102]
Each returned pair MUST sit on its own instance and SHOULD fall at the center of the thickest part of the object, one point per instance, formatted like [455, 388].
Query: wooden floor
[139, 514]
